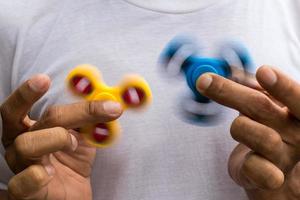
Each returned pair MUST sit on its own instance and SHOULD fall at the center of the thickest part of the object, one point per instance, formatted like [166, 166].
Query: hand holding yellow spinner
[133, 92]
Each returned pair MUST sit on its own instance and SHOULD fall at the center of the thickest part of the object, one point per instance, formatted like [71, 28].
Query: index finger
[248, 101]
[15, 108]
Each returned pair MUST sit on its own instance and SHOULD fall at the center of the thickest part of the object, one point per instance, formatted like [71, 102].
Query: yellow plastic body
[91, 87]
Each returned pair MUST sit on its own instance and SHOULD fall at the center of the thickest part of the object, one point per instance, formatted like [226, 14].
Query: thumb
[235, 162]
[251, 171]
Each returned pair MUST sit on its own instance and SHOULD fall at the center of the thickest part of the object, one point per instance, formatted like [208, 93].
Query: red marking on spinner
[133, 96]
[82, 85]
[101, 132]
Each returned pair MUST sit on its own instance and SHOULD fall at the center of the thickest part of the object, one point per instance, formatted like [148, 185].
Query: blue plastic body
[194, 65]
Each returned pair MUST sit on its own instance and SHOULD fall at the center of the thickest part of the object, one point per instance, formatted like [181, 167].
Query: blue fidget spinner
[181, 56]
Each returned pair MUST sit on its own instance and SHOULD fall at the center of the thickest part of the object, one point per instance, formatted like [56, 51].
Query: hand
[266, 162]
[50, 159]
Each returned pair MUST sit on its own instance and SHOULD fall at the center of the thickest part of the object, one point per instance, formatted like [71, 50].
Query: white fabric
[3, 186]
[174, 6]
[159, 156]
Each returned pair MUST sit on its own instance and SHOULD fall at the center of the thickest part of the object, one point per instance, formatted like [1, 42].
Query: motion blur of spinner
[182, 56]
[133, 92]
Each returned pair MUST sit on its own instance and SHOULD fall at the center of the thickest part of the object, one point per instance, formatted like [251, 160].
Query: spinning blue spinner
[181, 56]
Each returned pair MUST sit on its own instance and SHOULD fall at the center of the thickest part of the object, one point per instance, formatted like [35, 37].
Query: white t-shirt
[159, 156]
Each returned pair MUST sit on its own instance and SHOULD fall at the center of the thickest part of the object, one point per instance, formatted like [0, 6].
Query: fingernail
[39, 83]
[204, 82]
[50, 170]
[112, 108]
[74, 143]
[268, 76]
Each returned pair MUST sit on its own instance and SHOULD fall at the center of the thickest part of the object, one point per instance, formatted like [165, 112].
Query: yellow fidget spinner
[132, 93]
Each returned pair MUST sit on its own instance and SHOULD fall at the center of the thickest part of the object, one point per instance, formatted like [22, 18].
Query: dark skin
[266, 162]
[50, 159]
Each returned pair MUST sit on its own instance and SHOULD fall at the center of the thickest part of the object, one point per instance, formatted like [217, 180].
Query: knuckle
[94, 109]
[60, 134]
[37, 175]
[219, 88]
[263, 105]
[15, 189]
[261, 99]
[27, 182]
[24, 145]
[53, 115]
[272, 143]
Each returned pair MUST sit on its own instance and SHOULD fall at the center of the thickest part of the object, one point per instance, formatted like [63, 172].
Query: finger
[79, 114]
[283, 88]
[31, 183]
[250, 102]
[261, 173]
[236, 159]
[17, 105]
[293, 184]
[247, 79]
[250, 81]
[33, 145]
[259, 138]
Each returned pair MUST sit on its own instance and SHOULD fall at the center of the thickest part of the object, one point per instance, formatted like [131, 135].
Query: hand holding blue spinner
[182, 55]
